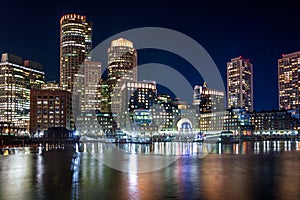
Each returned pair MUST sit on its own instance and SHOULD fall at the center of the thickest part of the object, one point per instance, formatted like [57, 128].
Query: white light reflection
[133, 177]
[236, 148]
[75, 177]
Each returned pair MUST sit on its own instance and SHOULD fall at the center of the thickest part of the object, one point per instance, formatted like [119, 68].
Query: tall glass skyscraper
[289, 81]
[240, 83]
[17, 78]
[122, 61]
[75, 46]
[122, 67]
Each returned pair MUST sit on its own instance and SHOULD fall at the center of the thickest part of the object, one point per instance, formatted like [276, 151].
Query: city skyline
[261, 41]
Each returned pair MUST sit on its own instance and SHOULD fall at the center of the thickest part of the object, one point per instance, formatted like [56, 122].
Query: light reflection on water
[248, 170]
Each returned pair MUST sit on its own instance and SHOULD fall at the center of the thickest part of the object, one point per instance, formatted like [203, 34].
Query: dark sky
[258, 31]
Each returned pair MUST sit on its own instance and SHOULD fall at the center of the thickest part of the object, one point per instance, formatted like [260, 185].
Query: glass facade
[122, 66]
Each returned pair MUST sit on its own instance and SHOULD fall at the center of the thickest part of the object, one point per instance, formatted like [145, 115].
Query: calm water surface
[249, 170]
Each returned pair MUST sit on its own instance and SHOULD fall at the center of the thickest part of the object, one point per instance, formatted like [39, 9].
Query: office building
[17, 77]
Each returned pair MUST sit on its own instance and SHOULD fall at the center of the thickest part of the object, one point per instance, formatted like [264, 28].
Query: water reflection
[248, 170]
[261, 147]
[157, 148]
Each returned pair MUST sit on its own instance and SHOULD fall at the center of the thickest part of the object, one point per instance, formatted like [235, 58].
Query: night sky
[258, 31]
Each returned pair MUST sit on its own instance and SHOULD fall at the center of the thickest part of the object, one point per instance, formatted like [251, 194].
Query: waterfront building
[275, 122]
[208, 100]
[240, 84]
[236, 120]
[75, 46]
[212, 122]
[50, 108]
[289, 81]
[185, 117]
[17, 77]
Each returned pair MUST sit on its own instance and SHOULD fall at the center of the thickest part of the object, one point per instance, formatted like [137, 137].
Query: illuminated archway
[184, 125]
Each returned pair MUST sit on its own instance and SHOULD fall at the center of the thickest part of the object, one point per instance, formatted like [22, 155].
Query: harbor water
[246, 170]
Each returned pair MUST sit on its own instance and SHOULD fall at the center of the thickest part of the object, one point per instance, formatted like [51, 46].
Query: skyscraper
[17, 77]
[122, 67]
[88, 90]
[240, 83]
[75, 46]
[289, 81]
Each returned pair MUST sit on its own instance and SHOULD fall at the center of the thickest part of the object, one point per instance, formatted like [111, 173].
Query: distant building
[208, 100]
[240, 83]
[50, 85]
[75, 46]
[17, 77]
[90, 88]
[86, 98]
[275, 122]
[104, 104]
[165, 103]
[107, 123]
[50, 108]
[289, 81]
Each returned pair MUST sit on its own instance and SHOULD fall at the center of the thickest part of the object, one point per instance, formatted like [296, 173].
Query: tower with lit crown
[122, 67]
[75, 46]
